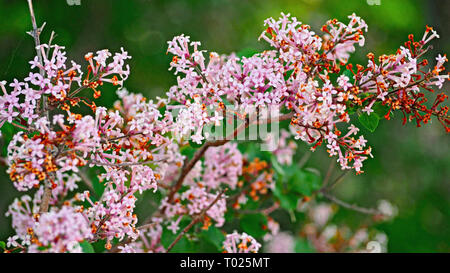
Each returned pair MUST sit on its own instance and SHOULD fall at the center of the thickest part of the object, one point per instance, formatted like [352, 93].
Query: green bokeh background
[411, 165]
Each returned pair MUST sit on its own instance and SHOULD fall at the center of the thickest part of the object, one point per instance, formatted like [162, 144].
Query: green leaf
[87, 247]
[187, 151]
[288, 200]
[214, 236]
[99, 188]
[183, 245]
[369, 121]
[2, 245]
[8, 131]
[99, 246]
[304, 182]
[349, 74]
[380, 109]
[283, 190]
[253, 224]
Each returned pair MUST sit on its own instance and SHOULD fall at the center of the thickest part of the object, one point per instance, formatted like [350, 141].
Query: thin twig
[194, 221]
[329, 173]
[36, 32]
[146, 226]
[338, 180]
[86, 180]
[185, 170]
[123, 164]
[124, 136]
[408, 86]
[52, 36]
[265, 211]
[21, 126]
[304, 159]
[350, 206]
[45, 199]
[82, 87]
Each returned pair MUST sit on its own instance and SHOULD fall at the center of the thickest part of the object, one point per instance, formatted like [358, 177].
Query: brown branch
[406, 87]
[146, 226]
[265, 211]
[123, 164]
[350, 206]
[329, 173]
[45, 199]
[86, 180]
[82, 87]
[36, 32]
[194, 221]
[52, 36]
[304, 159]
[338, 179]
[186, 169]
[21, 126]
[324, 190]
[124, 136]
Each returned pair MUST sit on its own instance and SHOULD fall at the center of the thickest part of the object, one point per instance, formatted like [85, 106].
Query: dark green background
[411, 165]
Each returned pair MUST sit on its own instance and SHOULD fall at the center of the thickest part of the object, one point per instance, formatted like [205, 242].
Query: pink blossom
[240, 243]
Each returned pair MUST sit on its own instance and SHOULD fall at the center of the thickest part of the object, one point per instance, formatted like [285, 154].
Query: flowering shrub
[86, 171]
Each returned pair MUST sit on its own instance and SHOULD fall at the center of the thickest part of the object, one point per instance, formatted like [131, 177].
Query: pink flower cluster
[23, 149]
[193, 202]
[260, 80]
[199, 199]
[240, 243]
[112, 216]
[59, 230]
[191, 120]
[55, 79]
[223, 165]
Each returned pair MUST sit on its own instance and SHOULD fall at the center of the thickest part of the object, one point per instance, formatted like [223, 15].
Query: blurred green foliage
[411, 165]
